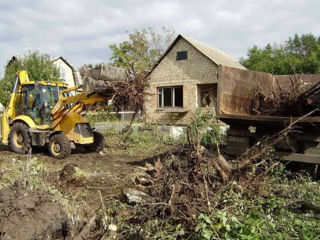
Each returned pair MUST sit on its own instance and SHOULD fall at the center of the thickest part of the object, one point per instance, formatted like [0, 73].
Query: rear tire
[98, 142]
[19, 138]
[59, 146]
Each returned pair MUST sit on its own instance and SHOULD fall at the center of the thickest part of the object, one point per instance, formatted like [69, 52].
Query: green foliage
[143, 48]
[6, 83]
[206, 123]
[221, 226]
[39, 67]
[157, 229]
[17, 171]
[264, 214]
[101, 115]
[142, 139]
[300, 54]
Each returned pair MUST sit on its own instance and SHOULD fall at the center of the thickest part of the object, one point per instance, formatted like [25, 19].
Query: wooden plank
[266, 118]
[298, 157]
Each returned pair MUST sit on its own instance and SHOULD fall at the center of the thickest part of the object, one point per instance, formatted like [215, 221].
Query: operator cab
[36, 99]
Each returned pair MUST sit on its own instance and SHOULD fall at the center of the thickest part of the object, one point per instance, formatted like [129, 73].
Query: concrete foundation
[165, 130]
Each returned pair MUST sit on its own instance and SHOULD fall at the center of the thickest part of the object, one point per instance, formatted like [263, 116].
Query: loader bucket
[98, 80]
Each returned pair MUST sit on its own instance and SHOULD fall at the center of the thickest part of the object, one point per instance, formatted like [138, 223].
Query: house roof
[215, 55]
[63, 59]
[75, 72]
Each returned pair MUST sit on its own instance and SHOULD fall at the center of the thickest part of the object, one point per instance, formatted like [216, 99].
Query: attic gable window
[182, 55]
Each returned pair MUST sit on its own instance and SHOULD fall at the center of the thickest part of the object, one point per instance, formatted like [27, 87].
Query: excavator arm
[97, 87]
[74, 103]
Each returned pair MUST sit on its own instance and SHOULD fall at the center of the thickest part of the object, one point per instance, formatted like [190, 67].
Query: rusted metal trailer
[236, 101]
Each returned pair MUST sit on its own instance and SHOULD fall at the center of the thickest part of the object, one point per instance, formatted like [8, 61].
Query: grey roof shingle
[215, 55]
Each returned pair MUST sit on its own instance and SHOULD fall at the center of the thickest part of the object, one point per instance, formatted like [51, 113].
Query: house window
[182, 55]
[170, 96]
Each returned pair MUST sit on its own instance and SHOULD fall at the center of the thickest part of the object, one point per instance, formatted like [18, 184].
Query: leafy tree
[143, 48]
[39, 67]
[298, 54]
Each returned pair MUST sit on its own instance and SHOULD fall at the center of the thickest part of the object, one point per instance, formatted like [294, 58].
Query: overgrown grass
[19, 171]
[136, 143]
[268, 213]
[101, 115]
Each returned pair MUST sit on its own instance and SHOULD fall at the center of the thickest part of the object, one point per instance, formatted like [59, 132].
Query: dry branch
[84, 233]
[294, 101]
[261, 148]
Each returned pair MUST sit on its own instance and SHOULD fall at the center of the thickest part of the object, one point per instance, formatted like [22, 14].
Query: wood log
[84, 233]
[97, 79]
[222, 173]
[303, 205]
[224, 164]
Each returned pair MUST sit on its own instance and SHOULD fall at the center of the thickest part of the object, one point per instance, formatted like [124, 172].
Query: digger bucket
[98, 80]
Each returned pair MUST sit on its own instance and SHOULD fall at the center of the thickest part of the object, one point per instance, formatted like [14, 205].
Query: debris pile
[191, 180]
[124, 87]
[178, 186]
[297, 99]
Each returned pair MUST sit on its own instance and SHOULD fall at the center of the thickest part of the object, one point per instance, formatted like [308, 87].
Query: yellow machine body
[60, 114]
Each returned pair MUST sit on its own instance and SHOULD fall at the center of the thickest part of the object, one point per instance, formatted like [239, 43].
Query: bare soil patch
[31, 215]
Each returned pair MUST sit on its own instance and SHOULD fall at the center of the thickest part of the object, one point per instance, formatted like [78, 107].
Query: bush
[208, 127]
[101, 115]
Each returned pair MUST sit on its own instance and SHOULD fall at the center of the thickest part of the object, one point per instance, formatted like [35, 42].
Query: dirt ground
[77, 182]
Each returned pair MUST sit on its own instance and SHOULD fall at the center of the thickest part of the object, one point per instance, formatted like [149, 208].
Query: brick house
[183, 79]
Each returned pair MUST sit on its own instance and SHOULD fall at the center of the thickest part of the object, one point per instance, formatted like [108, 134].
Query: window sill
[172, 110]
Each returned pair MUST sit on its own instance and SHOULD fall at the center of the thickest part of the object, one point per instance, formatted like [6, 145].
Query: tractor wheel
[19, 138]
[98, 142]
[59, 146]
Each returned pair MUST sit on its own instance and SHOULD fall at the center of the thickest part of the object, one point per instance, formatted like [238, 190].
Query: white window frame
[160, 91]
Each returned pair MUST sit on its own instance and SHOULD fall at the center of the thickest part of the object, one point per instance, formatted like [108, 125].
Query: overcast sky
[81, 30]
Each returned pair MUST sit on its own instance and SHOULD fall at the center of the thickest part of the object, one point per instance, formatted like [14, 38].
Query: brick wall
[197, 69]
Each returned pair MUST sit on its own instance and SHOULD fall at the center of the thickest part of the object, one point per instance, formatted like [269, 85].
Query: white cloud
[81, 30]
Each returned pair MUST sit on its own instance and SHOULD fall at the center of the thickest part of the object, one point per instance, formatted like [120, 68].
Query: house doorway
[207, 95]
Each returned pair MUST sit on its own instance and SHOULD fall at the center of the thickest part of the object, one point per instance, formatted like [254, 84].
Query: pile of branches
[125, 88]
[192, 180]
[297, 100]
[129, 94]
[178, 186]
[185, 183]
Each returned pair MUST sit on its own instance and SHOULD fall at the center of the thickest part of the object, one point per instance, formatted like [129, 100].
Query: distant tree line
[298, 54]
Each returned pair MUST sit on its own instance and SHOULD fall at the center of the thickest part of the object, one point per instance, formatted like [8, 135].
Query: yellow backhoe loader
[47, 114]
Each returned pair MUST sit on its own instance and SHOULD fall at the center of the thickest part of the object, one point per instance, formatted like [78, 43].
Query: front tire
[59, 146]
[19, 138]
[98, 142]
